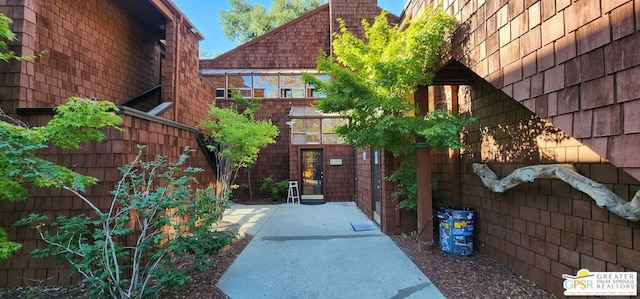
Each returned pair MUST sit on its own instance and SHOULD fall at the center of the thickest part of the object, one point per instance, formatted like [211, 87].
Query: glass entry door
[312, 174]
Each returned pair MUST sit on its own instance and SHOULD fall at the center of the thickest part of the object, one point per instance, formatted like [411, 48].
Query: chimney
[352, 12]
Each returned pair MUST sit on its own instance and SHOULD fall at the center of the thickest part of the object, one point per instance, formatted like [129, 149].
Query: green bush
[152, 204]
[405, 176]
[275, 190]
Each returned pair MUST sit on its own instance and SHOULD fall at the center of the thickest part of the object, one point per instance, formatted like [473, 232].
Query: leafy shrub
[405, 176]
[152, 204]
[276, 190]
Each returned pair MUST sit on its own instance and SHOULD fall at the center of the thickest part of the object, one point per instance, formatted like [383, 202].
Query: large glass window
[316, 130]
[292, 87]
[265, 86]
[220, 82]
[329, 135]
[242, 83]
[305, 131]
[311, 90]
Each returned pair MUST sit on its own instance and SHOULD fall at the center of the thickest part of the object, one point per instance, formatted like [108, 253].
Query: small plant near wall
[405, 177]
[155, 208]
[276, 190]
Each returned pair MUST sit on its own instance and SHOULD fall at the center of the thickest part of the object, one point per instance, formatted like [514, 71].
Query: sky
[205, 16]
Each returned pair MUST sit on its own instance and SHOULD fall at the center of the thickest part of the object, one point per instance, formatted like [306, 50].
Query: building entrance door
[311, 168]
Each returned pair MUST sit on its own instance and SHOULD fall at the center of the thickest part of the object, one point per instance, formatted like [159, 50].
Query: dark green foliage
[7, 247]
[275, 190]
[405, 177]
[7, 35]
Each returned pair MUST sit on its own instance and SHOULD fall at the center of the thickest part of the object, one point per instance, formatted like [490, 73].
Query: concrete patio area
[312, 251]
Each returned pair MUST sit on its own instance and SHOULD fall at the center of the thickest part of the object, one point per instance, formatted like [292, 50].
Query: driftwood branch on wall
[603, 197]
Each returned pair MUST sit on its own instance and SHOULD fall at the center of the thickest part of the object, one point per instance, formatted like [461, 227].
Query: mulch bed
[475, 276]
[203, 284]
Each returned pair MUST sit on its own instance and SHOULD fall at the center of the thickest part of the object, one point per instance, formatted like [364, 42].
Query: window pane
[240, 82]
[329, 128]
[220, 93]
[329, 124]
[313, 138]
[286, 93]
[329, 138]
[291, 81]
[306, 125]
[271, 93]
[258, 92]
[313, 93]
[298, 138]
[265, 86]
[298, 92]
[311, 90]
[246, 93]
[291, 87]
[218, 81]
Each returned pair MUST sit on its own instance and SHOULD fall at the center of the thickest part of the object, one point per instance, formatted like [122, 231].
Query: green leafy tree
[10, 168]
[370, 83]
[244, 21]
[238, 137]
[152, 204]
[77, 122]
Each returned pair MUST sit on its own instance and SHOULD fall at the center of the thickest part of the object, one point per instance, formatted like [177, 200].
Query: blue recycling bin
[456, 230]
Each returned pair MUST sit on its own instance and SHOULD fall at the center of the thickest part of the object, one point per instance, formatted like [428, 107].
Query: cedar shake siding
[108, 50]
[551, 83]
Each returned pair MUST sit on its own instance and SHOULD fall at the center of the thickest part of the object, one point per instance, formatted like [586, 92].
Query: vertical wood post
[423, 175]
[425, 201]
[454, 157]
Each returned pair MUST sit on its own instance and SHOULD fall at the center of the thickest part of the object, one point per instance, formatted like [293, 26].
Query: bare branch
[603, 197]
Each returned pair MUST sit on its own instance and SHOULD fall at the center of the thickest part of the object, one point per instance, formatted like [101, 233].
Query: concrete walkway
[311, 251]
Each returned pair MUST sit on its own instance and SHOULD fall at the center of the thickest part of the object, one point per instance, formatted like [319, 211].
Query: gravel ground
[475, 276]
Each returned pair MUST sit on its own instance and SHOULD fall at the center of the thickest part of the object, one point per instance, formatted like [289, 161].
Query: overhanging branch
[603, 197]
